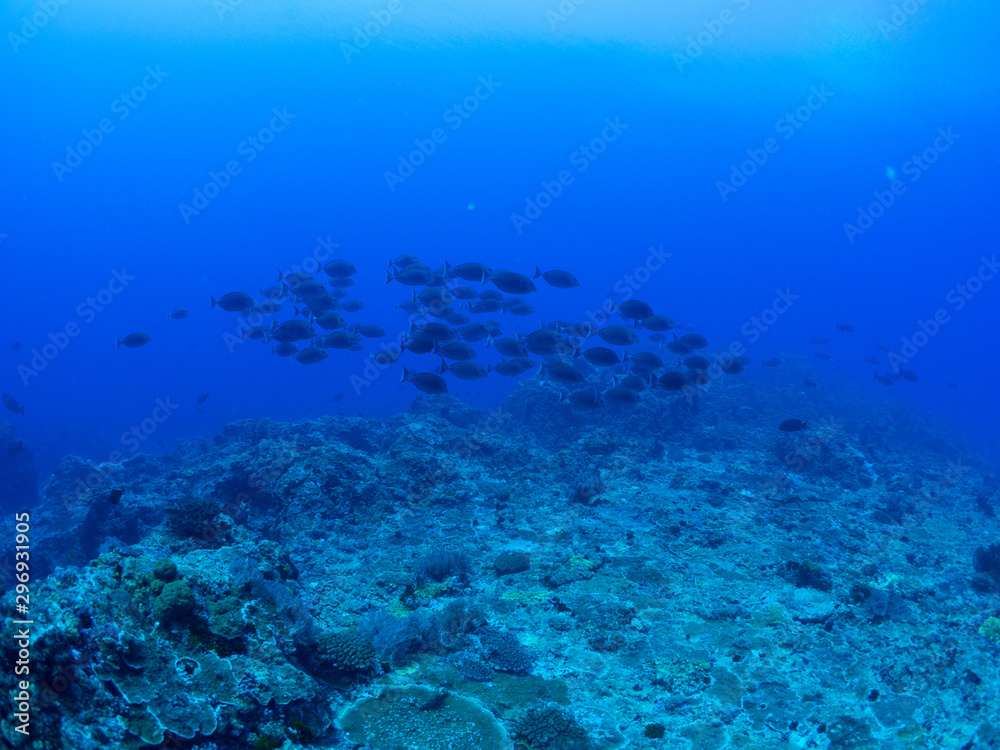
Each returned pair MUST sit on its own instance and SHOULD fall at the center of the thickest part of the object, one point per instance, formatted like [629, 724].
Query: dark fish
[352, 305]
[482, 306]
[464, 292]
[455, 318]
[909, 375]
[340, 269]
[558, 279]
[477, 332]
[633, 309]
[294, 330]
[234, 302]
[872, 361]
[341, 340]
[845, 327]
[633, 382]
[618, 335]
[491, 294]
[511, 282]
[697, 377]
[179, 313]
[543, 342]
[435, 295]
[823, 355]
[697, 363]
[580, 330]
[292, 280]
[883, 379]
[202, 398]
[466, 370]
[411, 276]
[458, 350]
[508, 347]
[418, 344]
[881, 347]
[115, 496]
[645, 362]
[792, 425]
[673, 381]
[810, 383]
[621, 395]
[411, 306]
[468, 271]
[952, 384]
[134, 340]
[679, 348]
[439, 333]
[371, 332]
[337, 397]
[16, 345]
[311, 355]
[268, 307]
[771, 362]
[511, 367]
[563, 372]
[273, 292]
[657, 323]
[818, 340]
[518, 307]
[730, 366]
[330, 321]
[258, 333]
[428, 382]
[584, 399]
[285, 350]
[404, 260]
[601, 356]
[693, 340]
[14, 448]
[11, 403]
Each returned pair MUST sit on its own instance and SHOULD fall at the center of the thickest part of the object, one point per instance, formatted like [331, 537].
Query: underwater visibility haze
[535, 375]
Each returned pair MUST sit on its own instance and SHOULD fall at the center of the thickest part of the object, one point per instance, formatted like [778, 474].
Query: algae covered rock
[175, 603]
[418, 716]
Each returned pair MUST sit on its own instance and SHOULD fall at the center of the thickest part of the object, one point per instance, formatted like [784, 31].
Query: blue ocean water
[811, 187]
[890, 80]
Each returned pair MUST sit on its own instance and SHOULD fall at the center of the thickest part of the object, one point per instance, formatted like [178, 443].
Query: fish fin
[444, 366]
[538, 272]
[119, 342]
[214, 303]
[406, 376]
[489, 341]
[388, 276]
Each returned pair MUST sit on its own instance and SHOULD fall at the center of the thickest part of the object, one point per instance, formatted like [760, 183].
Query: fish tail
[538, 272]
[214, 303]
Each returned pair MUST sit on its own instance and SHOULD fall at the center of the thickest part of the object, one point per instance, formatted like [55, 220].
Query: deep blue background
[324, 176]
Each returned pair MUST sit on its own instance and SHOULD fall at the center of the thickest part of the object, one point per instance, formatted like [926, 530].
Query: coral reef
[681, 575]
